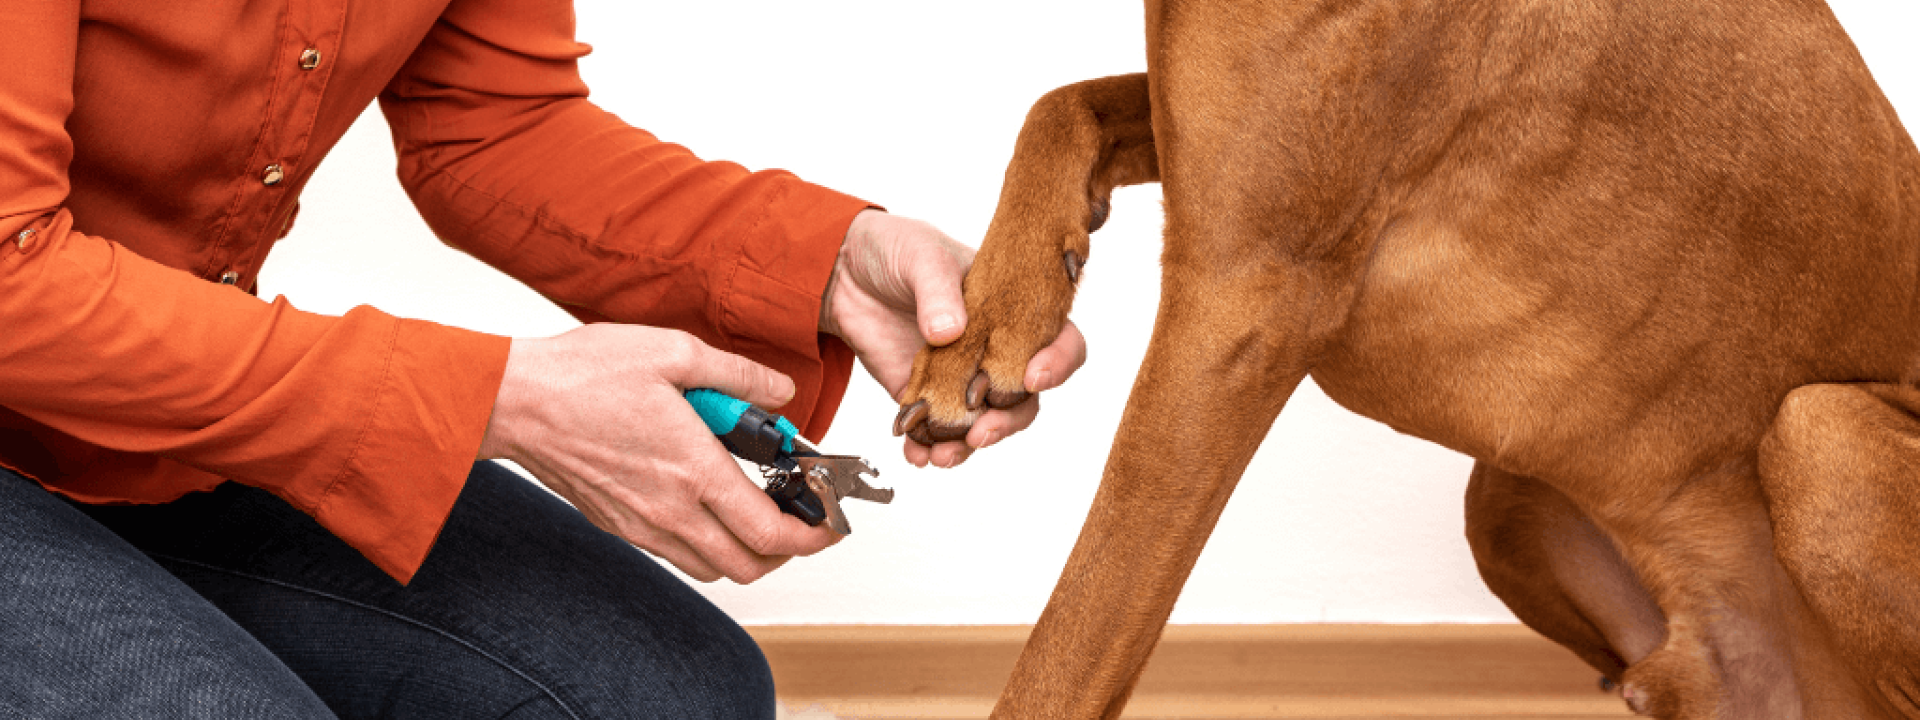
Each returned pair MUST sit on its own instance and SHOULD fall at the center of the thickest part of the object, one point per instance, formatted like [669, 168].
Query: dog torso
[1603, 273]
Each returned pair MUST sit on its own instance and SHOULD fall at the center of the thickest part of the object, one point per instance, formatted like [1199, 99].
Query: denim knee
[521, 605]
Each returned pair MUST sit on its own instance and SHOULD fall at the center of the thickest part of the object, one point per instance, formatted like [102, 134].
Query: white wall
[915, 105]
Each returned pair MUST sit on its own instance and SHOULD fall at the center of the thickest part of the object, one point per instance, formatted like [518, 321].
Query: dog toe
[910, 418]
[934, 431]
[1000, 399]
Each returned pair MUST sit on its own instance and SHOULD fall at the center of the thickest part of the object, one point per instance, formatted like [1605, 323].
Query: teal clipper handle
[748, 432]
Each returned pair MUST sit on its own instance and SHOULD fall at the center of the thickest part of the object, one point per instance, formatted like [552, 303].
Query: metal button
[309, 59]
[229, 278]
[274, 175]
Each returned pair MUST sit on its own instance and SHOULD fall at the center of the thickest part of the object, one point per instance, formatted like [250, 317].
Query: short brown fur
[1651, 263]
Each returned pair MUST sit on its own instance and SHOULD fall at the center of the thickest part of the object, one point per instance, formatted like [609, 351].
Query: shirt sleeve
[366, 422]
[508, 161]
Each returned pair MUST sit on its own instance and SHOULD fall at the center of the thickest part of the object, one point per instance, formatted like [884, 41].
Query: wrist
[828, 323]
[857, 231]
[510, 404]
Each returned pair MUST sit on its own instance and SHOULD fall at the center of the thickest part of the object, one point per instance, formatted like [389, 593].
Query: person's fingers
[934, 273]
[757, 524]
[916, 454]
[1057, 361]
[834, 539]
[702, 366]
[678, 554]
[995, 425]
[950, 454]
[642, 534]
[719, 548]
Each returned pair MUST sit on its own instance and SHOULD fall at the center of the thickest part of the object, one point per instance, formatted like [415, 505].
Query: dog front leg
[1079, 143]
[1218, 369]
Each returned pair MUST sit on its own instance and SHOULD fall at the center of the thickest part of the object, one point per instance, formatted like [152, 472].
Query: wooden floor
[1200, 672]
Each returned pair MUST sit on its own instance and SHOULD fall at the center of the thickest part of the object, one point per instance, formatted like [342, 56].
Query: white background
[915, 106]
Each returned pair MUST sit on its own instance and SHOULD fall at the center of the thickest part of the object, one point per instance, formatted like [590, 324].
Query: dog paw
[953, 385]
[1672, 683]
[1013, 312]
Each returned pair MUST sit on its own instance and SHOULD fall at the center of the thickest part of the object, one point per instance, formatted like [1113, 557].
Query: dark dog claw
[910, 418]
[977, 390]
[1074, 262]
[1101, 207]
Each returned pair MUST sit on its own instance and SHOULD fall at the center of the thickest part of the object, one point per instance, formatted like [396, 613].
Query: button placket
[310, 32]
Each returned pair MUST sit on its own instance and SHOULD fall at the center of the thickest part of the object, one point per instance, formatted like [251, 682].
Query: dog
[1652, 264]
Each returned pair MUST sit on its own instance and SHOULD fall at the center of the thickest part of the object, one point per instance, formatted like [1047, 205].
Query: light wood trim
[875, 672]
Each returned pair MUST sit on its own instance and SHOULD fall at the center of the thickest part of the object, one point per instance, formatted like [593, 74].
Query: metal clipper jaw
[813, 491]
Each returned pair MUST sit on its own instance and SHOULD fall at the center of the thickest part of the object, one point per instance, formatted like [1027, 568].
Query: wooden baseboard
[1203, 671]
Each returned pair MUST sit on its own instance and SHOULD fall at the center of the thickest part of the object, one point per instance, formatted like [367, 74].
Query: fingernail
[1040, 380]
[993, 436]
[943, 323]
[783, 389]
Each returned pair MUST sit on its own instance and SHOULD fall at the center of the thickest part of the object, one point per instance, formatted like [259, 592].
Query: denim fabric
[90, 628]
[522, 610]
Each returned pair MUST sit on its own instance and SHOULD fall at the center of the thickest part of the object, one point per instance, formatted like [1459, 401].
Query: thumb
[739, 377]
[935, 274]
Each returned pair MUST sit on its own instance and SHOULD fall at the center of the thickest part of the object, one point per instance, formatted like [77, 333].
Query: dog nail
[1073, 262]
[977, 390]
[1101, 207]
[910, 418]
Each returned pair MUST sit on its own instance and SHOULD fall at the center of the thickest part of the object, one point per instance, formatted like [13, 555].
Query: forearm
[661, 239]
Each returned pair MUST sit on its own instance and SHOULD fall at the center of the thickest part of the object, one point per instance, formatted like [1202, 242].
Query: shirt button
[309, 59]
[229, 278]
[273, 175]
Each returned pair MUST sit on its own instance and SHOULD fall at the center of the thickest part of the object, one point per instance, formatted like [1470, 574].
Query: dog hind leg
[1841, 471]
[1560, 574]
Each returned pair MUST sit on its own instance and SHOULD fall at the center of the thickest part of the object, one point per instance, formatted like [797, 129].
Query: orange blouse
[152, 153]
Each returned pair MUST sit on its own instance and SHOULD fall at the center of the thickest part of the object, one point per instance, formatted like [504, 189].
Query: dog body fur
[1652, 264]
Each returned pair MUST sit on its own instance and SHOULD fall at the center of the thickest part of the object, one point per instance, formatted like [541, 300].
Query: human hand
[598, 416]
[896, 288]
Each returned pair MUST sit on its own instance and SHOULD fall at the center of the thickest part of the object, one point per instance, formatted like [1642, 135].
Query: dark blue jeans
[231, 604]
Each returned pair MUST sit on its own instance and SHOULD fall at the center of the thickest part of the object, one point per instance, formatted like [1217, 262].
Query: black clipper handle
[756, 438]
[789, 490]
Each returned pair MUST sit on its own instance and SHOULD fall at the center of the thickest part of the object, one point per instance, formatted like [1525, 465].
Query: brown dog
[1652, 263]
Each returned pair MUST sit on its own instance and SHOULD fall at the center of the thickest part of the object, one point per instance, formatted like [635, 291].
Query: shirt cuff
[769, 300]
[423, 429]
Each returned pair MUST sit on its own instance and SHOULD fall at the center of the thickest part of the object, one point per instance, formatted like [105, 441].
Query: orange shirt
[150, 151]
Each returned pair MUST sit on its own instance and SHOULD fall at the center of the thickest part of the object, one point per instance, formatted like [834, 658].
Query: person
[256, 511]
